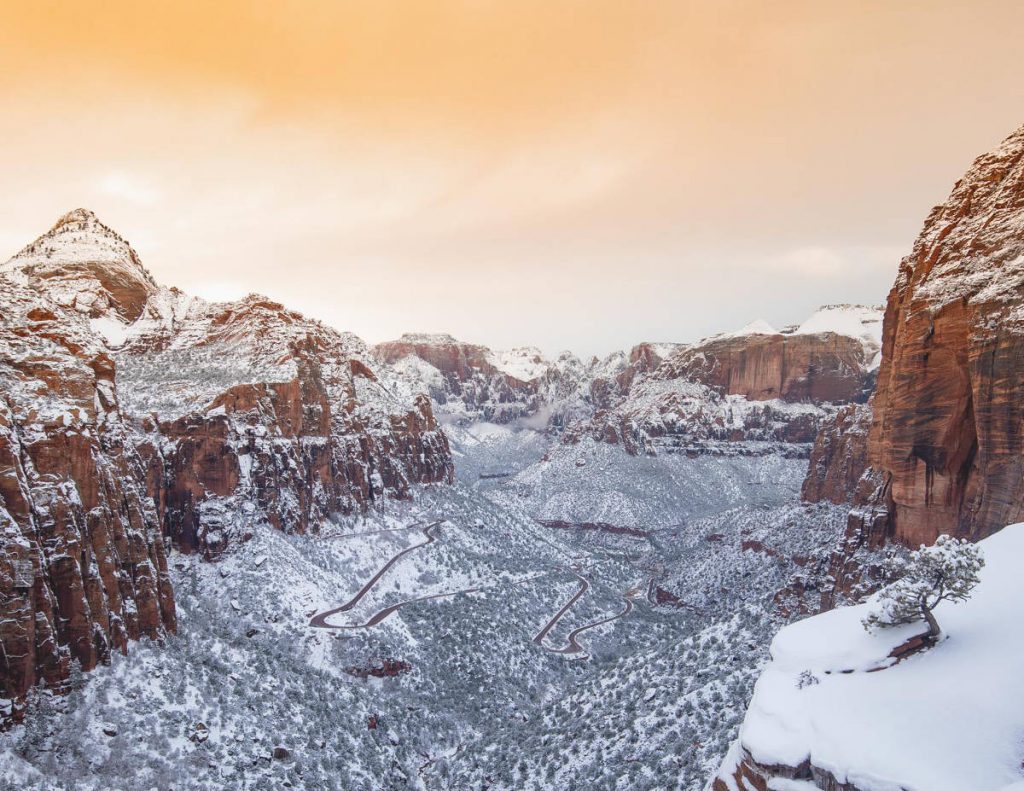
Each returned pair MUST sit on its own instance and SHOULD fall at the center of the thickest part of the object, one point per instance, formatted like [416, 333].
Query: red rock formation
[752, 776]
[754, 386]
[821, 367]
[388, 668]
[643, 360]
[948, 413]
[82, 563]
[839, 457]
[83, 264]
[679, 415]
[471, 382]
[130, 411]
[946, 445]
[298, 423]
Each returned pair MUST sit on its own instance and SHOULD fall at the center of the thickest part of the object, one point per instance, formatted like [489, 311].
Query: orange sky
[581, 174]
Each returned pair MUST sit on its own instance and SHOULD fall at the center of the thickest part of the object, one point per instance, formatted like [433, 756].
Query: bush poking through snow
[945, 571]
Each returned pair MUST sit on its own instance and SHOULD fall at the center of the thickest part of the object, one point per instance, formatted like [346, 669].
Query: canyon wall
[942, 445]
[134, 417]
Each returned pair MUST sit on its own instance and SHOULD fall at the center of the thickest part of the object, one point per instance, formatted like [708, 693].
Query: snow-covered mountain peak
[83, 264]
[855, 321]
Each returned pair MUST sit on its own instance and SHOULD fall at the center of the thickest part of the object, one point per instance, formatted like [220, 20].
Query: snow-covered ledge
[947, 719]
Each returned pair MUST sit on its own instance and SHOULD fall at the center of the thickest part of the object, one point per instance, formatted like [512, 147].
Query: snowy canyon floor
[454, 641]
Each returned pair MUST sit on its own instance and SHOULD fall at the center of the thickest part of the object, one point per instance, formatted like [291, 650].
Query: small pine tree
[946, 571]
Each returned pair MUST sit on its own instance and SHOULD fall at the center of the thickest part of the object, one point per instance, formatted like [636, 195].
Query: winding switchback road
[320, 620]
[584, 587]
[573, 647]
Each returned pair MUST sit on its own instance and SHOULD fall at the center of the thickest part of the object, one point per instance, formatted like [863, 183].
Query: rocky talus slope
[132, 412]
[941, 446]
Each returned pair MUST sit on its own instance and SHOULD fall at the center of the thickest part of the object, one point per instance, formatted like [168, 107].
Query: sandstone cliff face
[727, 392]
[944, 443]
[252, 412]
[131, 412]
[82, 562]
[822, 367]
[948, 413]
[839, 457]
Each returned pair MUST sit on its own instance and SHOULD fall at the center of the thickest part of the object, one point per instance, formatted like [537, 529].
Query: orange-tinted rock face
[643, 360]
[947, 433]
[839, 456]
[465, 379]
[82, 563]
[273, 417]
[459, 363]
[823, 367]
[472, 382]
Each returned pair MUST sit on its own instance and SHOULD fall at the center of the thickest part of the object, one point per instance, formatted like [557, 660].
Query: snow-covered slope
[130, 413]
[948, 719]
[83, 264]
[854, 321]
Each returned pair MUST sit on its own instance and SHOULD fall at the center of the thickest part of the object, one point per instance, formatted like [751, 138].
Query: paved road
[584, 587]
[320, 620]
[573, 647]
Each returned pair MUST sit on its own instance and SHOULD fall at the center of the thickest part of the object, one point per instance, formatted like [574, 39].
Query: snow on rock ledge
[949, 719]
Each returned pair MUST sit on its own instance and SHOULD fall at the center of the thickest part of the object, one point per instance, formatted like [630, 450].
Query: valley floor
[455, 641]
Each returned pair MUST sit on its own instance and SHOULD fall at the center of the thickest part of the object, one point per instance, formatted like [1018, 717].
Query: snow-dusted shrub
[946, 571]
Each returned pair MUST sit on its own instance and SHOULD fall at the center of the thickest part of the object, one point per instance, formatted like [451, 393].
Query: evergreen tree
[945, 571]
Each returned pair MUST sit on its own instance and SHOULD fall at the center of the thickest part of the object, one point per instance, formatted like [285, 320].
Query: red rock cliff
[130, 412]
[82, 563]
[947, 433]
[820, 367]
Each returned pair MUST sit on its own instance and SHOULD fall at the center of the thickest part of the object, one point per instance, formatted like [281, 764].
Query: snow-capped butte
[855, 321]
[80, 263]
[947, 719]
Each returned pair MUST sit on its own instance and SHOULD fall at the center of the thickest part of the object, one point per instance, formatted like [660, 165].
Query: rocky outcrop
[755, 386]
[948, 413]
[131, 413]
[819, 361]
[82, 560]
[839, 457]
[471, 383]
[83, 264]
[253, 412]
[945, 447]
[748, 774]
[670, 415]
[614, 377]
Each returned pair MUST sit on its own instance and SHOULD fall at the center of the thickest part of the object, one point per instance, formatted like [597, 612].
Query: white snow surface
[863, 322]
[756, 327]
[110, 329]
[948, 719]
[855, 321]
[524, 363]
